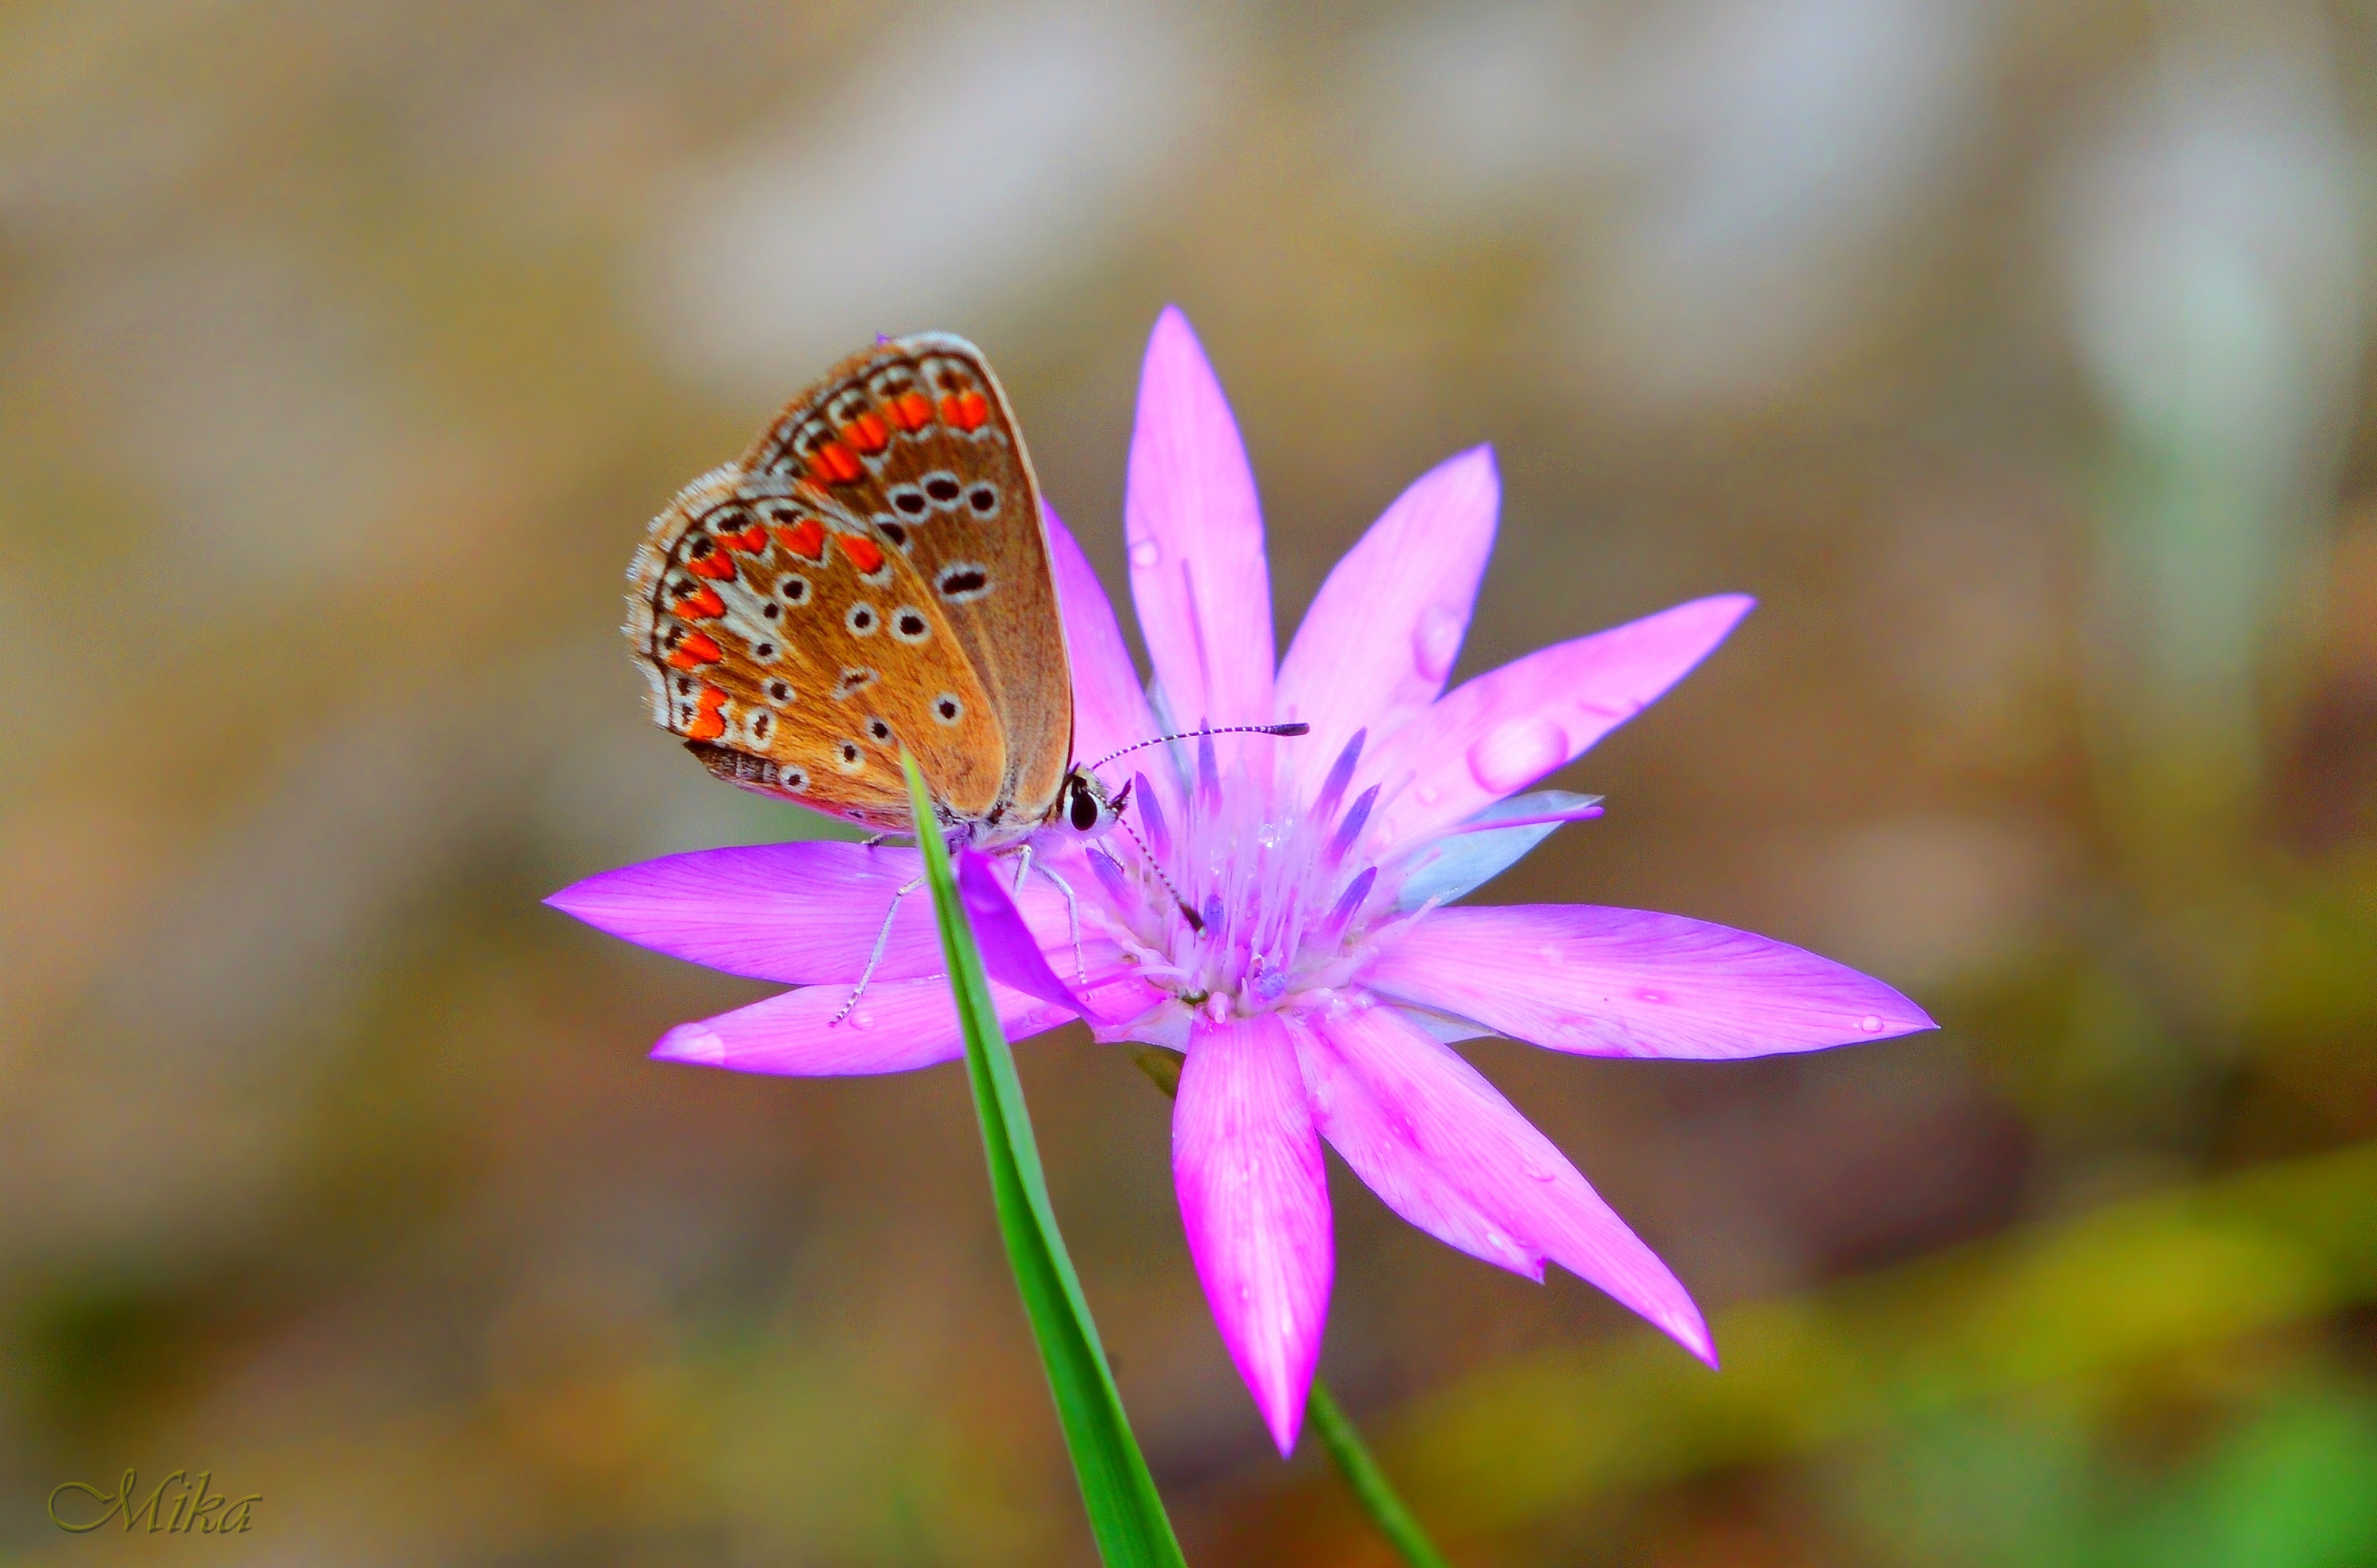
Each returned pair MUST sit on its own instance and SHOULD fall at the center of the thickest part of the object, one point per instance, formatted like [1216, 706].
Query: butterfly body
[872, 575]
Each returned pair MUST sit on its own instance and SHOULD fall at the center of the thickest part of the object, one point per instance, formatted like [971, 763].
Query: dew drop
[1144, 554]
[1869, 1024]
[1517, 752]
[1436, 641]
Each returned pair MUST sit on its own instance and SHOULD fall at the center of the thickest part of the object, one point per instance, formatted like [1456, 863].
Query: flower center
[1285, 895]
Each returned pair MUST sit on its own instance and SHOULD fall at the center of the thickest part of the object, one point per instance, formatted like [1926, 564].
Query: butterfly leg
[1073, 919]
[882, 940]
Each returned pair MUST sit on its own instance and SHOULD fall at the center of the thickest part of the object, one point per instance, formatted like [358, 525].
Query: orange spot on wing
[753, 539]
[868, 433]
[703, 602]
[717, 564]
[912, 411]
[862, 552]
[696, 650]
[966, 409]
[805, 539]
[835, 463]
[709, 719]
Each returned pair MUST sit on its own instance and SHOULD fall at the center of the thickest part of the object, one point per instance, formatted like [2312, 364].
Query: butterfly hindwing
[915, 436]
[797, 650]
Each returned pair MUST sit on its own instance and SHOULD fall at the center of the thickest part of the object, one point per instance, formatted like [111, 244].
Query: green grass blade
[1126, 1515]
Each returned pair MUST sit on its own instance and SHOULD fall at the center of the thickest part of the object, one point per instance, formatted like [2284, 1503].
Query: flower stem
[1346, 1450]
[1367, 1482]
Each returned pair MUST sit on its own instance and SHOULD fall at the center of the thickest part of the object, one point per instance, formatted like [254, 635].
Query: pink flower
[1316, 1004]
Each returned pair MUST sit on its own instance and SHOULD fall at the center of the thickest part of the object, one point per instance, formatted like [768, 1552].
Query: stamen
[1350, 828]
[1341, 773]
[1348, 904]
[1151, 814]
[1209, 774]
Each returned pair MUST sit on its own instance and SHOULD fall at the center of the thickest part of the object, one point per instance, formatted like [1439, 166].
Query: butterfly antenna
[1289, 730]
[1196, 921]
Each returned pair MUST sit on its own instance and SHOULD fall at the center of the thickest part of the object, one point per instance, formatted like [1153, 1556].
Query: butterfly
[872, 575]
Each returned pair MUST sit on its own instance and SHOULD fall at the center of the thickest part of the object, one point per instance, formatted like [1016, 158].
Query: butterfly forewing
[797, 650]
[915, 436]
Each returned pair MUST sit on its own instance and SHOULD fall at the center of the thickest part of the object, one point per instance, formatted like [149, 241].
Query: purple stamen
[1348, 904]
[1350, 828]
[1341, 773]
[1110, 875]
[1159, 838]
[1209, 775]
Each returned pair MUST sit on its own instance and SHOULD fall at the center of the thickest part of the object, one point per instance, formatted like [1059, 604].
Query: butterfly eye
[909, 626]
[948, 709]
[1085, 810]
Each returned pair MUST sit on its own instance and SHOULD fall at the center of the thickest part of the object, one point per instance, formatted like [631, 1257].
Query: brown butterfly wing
[797, 651]
[916, 437]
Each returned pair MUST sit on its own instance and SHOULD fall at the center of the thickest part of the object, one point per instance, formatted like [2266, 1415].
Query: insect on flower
[1284, 910]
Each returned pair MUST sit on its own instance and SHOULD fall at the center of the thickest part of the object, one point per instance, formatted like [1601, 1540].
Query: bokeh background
[2013, 352]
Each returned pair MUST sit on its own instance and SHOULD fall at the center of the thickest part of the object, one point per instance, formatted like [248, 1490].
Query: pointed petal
[1197, 568]
[801, 914]
[1009, 952]
[1495, 734]
[1110, 709]
[1384, 631]
[1255, 1202]
[1628, 982]
[1364, 1130]
[897, 1024]
[1461, 862]
[1475, 1143]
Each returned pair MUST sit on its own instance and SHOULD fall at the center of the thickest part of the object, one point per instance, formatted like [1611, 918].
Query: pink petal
[1255, 1202]
[1110, 709]
[1379, 1147]
[1197, 568]
[1627, 982]
[803, 913]
[1432, 1126]
[1383, 632]
[796, 912]
[1495, 734]
[897, 1024]
[1009, 952]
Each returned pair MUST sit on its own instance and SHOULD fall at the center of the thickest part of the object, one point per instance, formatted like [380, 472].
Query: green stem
[1367, 1482]
[1346, 1449]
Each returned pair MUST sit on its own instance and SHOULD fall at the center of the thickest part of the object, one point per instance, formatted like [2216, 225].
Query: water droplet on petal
[1145, 553]
[862, 1020]
[1436, 641]
[1870, 1024]
[1540, 1172]
[1517, 752]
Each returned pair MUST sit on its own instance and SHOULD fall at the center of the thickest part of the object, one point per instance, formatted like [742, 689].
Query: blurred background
[2010, 351]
